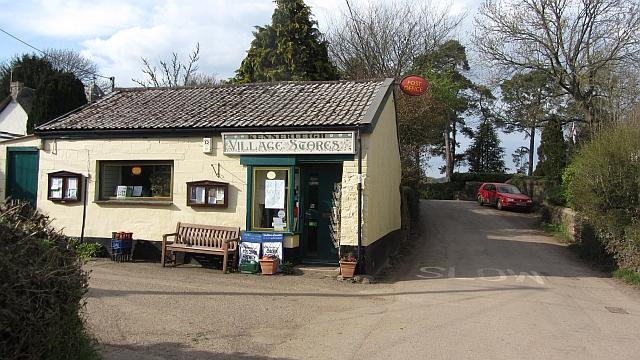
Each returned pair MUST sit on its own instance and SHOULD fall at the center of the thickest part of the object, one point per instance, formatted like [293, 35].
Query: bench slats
[204, 239]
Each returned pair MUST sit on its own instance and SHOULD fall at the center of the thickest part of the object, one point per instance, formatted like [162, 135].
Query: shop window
[270, 197]
[135, 181]
[64, 186]
[207, 194]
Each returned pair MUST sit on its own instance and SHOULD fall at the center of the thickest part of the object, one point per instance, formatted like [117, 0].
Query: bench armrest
[165, 236]
[231, 244]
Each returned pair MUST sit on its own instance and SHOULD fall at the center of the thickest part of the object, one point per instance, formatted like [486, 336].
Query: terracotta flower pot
[347, 268]
[269, 266]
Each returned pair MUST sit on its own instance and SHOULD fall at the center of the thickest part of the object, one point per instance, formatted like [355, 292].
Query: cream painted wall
[382, 184]
[13, 119]
[381, 174]
[145, 221]
[26, 141]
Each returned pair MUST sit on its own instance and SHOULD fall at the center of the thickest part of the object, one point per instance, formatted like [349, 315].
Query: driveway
[480, 284]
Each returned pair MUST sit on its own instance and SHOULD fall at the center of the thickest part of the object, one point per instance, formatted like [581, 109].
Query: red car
[503, 196]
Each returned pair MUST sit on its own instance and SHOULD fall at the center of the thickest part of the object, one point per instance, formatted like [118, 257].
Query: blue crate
[121, 244]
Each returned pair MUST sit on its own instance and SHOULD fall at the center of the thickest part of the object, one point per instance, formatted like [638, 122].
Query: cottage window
[270, 199]
[135, 181]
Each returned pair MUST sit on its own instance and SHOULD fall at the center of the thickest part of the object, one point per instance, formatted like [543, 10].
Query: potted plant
[269, 264]
[348, 265]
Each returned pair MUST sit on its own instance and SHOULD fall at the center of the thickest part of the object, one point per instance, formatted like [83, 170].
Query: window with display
[135, 181]
[270, 199]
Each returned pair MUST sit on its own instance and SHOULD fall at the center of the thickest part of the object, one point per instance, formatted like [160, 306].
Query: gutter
[359, 252]
[175, 132]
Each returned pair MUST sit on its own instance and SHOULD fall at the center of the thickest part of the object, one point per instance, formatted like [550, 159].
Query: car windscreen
[508, 189]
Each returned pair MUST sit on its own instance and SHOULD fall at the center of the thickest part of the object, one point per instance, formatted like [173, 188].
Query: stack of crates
[121, 246]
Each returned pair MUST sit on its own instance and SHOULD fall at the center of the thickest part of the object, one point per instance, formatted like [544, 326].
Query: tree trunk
[532, 144]
[447, 155]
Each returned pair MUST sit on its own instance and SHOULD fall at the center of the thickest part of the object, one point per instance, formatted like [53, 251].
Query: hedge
[605, 187]
[42, 289]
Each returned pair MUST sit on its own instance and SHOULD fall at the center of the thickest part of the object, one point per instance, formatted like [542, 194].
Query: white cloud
[223, 29]
[75, 18]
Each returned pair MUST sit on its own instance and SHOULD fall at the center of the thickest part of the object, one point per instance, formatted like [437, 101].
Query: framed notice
[64, 186]
[206, 193]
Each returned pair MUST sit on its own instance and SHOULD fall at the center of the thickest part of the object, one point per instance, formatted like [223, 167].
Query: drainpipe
[84, 208]
[359, 252]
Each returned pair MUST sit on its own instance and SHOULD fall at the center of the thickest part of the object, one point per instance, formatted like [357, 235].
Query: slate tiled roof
[285, 104]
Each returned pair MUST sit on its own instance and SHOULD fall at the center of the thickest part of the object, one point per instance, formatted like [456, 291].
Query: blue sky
[117, 33]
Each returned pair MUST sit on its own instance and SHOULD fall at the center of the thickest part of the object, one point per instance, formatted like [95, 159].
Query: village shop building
[278, 157]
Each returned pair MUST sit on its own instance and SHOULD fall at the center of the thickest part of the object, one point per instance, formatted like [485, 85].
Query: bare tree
[578, 43]
[174, 73]
[72, 61]
[384, 39]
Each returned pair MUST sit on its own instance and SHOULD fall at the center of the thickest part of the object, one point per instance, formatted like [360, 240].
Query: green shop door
[320, 203]
[22, 174]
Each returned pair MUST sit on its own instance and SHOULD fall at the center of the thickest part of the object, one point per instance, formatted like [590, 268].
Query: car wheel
[499, 204]
[480, 200]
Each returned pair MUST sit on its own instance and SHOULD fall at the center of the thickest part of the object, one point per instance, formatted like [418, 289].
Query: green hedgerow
[605, 187]
[41, 290]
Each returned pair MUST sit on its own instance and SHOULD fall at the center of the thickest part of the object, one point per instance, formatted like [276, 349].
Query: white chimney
[16, 87]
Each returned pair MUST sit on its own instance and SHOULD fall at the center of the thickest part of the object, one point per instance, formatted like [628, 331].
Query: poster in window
[200, 194]
[220, 194]
[121, 191]
[56, 188]
[274, 194]
[137, 191]
[72, 188]
[212, 196]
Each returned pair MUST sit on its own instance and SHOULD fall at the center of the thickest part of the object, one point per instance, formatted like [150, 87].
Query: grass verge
[629, 276]
[559, 231]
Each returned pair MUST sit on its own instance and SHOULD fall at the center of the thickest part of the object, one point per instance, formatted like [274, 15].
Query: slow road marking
[485, 274]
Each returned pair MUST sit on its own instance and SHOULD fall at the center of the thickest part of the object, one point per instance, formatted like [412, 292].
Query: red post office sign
[414, 85]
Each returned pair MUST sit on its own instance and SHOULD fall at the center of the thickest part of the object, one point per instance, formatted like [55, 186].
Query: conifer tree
[552, 152]
[55, 96]
[485, 154]
[56, 92]
[291, 48]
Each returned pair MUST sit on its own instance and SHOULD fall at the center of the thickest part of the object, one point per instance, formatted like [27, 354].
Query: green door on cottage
[22, 174]
[319, 205]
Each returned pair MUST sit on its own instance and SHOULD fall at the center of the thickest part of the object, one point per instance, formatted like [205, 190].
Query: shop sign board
[414, 85]
[309, 142]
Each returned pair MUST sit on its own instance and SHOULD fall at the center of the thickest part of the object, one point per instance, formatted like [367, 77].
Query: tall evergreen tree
[56, 92]
[485, 154]
[291, 48]
[56, 95]
[552, 152]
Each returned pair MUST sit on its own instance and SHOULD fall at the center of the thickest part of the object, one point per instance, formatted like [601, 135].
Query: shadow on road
[101, 293]
[459, 239]
[171, 350]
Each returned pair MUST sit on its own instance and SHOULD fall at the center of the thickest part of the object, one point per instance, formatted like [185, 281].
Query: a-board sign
[414, 85]
[254, 245]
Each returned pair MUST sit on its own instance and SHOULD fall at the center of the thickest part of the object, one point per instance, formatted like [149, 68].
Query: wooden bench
[202, 239]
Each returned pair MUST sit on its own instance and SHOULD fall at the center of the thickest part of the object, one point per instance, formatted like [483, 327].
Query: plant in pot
[348, 265]
[269, 264]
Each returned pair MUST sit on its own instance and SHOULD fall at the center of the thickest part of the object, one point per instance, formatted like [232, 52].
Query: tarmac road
[480, 284]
